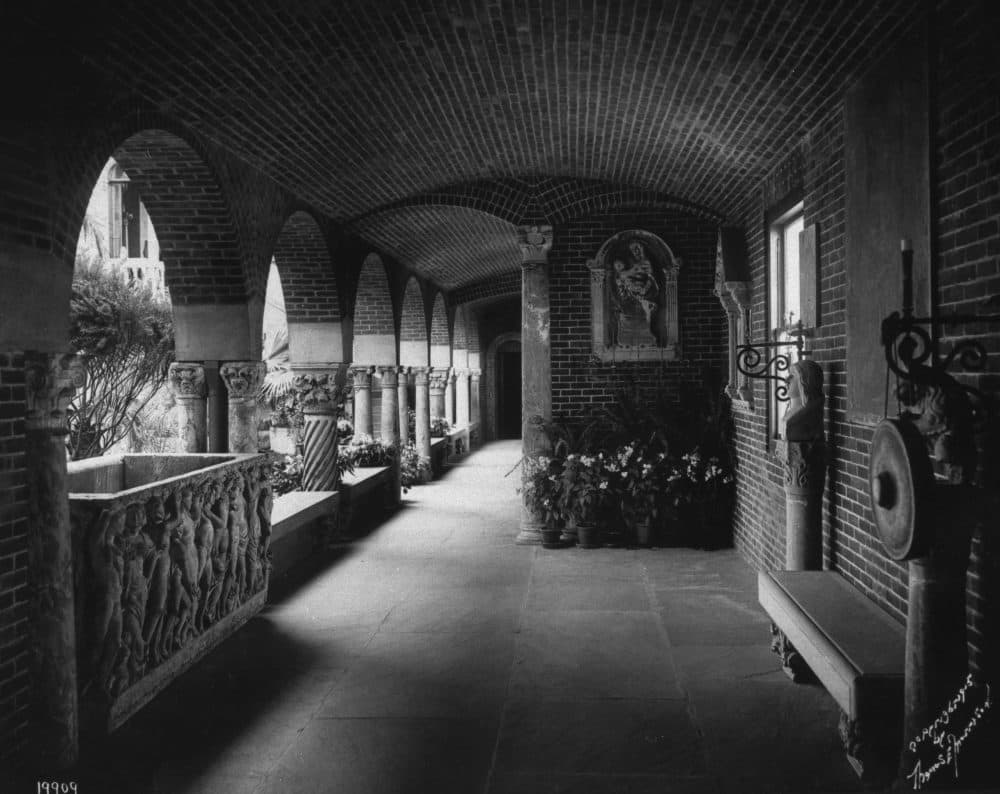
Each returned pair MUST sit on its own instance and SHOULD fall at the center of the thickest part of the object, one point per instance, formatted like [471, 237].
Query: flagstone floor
[435, 655]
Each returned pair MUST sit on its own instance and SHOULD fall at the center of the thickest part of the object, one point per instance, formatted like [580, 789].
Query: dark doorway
[509, 390]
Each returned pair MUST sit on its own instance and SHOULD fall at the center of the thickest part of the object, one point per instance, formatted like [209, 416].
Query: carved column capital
[739, 291]
[51, 380]
[242, 378]
[187, 380]
[421, 375]
[805, 465]
[389, 376]
[361, 377]
[318, 393]
[439, 379]
[535, 243]
[475, 375]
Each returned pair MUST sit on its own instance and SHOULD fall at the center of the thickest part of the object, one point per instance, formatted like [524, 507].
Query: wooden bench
[855, 650]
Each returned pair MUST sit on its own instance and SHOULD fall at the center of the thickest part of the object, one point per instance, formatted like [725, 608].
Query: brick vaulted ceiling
[363, 107]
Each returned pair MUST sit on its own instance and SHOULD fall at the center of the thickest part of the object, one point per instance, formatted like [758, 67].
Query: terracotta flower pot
[644, 533]
[551, 537]
[588, 535]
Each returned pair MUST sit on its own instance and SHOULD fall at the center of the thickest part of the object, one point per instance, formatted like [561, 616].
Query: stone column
[422, 430]
[362, 382]
[390, 405]
[438, 379]
[404, 406]
[449, 397]
[50, 382]
[319, 396]
[242, 379]
[474, 398]
[536, 364]
[805, 468]
[187, 382]
[462, 406]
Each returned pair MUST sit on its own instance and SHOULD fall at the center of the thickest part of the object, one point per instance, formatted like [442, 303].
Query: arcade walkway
[436, 656]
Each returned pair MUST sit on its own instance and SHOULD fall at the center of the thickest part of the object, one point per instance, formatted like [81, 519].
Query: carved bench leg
[871, 749]
[794, 665]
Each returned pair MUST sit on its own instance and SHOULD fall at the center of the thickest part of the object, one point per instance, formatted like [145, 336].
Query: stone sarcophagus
[170, 556]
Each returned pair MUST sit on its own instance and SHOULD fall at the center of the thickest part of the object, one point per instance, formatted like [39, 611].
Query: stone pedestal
[422, 424]
[362, 382]
[463, 407]
[804, 477]
[50, 384]
[474, 396]
[403, 407]
[449, 397]
[242, 379]
[536, 366]
[320, 397]
[187, 382]
[437, 386]
[390, 405]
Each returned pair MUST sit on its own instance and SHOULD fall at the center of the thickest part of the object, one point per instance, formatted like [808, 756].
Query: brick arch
[307, 277]
[199, 244]
[460, 339]
[374, 323]
[414, 349]
[440, 335]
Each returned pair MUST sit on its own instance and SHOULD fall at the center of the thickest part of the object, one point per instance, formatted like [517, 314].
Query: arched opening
[503, 387]
[374, 332]
[276, 416]
[121, 326]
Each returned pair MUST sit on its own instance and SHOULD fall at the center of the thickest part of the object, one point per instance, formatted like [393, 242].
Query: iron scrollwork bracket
[756, 360]
[912, 354]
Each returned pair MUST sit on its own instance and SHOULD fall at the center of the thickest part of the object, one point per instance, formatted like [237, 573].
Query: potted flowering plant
[585, 482]
[542, 488]
[701, 491]
[637, 480]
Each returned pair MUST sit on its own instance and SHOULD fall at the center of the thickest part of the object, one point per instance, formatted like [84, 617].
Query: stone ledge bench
[439, 455]
[855, 650]
[375, 486]
[301, 522]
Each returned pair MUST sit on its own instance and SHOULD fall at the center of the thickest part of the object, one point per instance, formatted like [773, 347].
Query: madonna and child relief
[634, 298]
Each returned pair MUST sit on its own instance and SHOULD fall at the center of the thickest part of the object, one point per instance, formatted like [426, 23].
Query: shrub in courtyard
[440, 427]
[124, 335]
[413, 470]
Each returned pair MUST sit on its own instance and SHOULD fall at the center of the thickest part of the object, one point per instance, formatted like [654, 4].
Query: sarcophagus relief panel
[164, 571]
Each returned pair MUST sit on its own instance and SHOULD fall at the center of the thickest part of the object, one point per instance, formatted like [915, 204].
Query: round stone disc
[900, 481]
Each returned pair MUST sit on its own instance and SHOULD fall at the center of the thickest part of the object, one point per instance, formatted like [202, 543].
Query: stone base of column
[530, 533]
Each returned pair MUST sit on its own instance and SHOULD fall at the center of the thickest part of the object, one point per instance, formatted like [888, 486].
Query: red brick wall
[14, 629]
[580, 388]
[307, 277]
[966, 206]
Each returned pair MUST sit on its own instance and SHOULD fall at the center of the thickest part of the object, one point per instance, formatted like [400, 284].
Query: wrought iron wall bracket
[912, 354]
[756, 360]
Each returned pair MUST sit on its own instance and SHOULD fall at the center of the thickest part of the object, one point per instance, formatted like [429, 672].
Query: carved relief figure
[218, 514]
[634, 311]
[264, 509]
[159, 529]
[253, 491]
[183, 574]
[204, 541]
[804, 414]
[239, 537]
[137, 547]
[634, 298]
[107, 561]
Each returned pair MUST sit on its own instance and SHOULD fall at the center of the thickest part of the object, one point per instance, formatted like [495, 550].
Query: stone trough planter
[170, 556]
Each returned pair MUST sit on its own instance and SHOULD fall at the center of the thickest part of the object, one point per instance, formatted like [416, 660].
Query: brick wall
[14, 628]
[413, 319]
[580, 388]
[373, 312]
[439, 322]
[307, 277]
[965, 205]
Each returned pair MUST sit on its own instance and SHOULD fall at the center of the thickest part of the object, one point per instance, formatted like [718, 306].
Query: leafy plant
[440, 427]
[124, 335]
[584, 485]
[637, 479]
[542, 487]
[365, 451]
[413, 469]
[285, 475]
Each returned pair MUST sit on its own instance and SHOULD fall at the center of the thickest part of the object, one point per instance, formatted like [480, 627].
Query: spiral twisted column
[320, 398]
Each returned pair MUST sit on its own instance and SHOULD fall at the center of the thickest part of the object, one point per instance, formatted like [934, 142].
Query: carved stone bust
[804, 415]
[634, 298]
